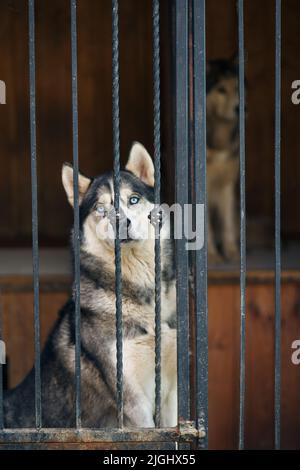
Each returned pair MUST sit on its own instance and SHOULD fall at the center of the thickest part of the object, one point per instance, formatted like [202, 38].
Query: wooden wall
[95, 139]
[224, 348]
[260, 64]
[16, 303]
[54, 103]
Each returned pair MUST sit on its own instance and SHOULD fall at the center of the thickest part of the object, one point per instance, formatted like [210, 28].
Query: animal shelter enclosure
[64, 63]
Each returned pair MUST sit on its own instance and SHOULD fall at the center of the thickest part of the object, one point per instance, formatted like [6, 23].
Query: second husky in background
[222, 104]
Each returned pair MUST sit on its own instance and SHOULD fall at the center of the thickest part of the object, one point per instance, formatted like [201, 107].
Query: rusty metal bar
[187, 432]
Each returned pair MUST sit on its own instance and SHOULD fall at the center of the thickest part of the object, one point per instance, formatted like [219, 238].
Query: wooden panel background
[54, 147]
[54, 103]
[95, 139]
[16, 303]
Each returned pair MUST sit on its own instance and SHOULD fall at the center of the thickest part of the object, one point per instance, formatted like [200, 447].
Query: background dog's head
[222, 89]
[96, 204]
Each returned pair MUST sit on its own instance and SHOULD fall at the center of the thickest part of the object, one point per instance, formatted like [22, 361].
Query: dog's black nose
[128, 223]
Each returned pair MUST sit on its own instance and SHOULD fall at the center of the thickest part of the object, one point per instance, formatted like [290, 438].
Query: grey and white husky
[97, 300]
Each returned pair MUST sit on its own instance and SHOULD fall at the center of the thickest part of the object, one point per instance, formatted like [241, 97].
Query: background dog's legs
[213, 256]
[226, 209]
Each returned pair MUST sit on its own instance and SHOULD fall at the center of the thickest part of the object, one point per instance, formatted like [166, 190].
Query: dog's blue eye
[101, 211]
[133, 200]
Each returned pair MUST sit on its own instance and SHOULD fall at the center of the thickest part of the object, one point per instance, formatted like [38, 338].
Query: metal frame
[184, 434]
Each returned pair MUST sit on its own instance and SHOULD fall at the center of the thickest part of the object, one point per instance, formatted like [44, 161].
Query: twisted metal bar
[34, 205]
[157, 188]
[117, 180]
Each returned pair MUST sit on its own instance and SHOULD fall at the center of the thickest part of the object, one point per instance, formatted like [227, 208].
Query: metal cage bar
[157, 188]
[76, 232]
[117, 179]
[199, 59]
[1, 375]
[34, 205]
[277, 384]
[182, 198]
[240, 11]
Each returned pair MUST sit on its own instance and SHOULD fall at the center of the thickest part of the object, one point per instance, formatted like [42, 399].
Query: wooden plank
[223, 369]
[290, 372]
[14, 284]
[260, 368]
[17, 311]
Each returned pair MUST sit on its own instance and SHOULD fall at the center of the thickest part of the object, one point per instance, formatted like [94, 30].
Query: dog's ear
[67, 180]
[140, 164]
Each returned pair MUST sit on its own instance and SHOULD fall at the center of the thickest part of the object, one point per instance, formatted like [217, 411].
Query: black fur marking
[169, 268]
[102, 182]
[137, 185]
[91, 196]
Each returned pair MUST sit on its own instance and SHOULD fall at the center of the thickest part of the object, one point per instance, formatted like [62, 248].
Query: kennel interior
[54, 146]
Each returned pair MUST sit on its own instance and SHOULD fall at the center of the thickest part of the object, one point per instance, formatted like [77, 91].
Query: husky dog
[97, 302]
[222, 155]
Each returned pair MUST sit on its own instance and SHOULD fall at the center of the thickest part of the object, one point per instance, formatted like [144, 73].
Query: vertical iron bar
[277, 223]
[117, 179]
[240, 7]
[34, 205]
[157, 187]
[1, 371]
[76, 232]
[199, 58]
[182, 198]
